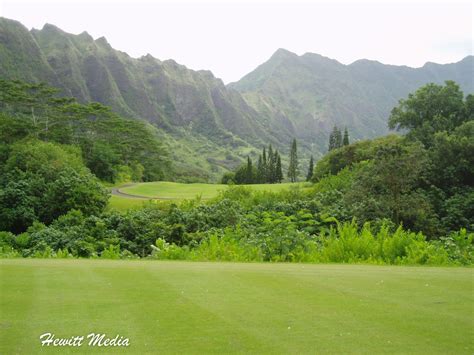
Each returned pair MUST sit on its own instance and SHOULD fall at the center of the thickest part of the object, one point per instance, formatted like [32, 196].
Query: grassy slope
[178, 307]
[173, 190]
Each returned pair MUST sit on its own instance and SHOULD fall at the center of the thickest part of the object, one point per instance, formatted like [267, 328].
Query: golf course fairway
[190, 307]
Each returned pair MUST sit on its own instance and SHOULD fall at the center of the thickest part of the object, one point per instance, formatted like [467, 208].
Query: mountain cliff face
[208, 126]
[312, 92]
[164, 93]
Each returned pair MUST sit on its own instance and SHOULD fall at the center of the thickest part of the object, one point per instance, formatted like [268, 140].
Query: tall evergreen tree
[338, 138]
[310, 169]
[249, 179]
[249, 172]
[264, 166]
[271, 165]
[345, 140]
[335, 138]
[293, 167]
[260, 170]
[279, 171]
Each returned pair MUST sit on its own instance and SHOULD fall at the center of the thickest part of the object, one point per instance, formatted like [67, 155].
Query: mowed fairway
[186, 307]
[174, 190]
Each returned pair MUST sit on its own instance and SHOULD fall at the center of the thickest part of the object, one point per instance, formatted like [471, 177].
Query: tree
[43, 180]
[228, 178]
[240, 176]
[271, 165]
[293, 167]
[107, 141]
[432, 108]
[249, 174]
[264, 165]
[260, 170]
[279, 171]
[335, 138]
[386, 186]
[345, 140]
[310, 169]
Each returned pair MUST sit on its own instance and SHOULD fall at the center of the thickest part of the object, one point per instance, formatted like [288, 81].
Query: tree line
[336, 139]
[268, 169]
[112, 147]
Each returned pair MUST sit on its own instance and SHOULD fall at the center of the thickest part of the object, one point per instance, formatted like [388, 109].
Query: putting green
[174, 190]
[185, 307]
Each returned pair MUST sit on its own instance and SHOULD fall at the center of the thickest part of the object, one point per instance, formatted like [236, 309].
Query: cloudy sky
[232, 38]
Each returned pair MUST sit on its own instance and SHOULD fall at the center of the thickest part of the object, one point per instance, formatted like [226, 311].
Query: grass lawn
[174, 190]
[186, 307]
[122, 203]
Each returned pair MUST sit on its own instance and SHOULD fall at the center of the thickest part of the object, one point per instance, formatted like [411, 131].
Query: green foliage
[347, 156]
[423, 180]
[385, 187]
[42, 181]
[335, 139]
[240, 225]
[347, 243]
[432, 108]
[267, 171]
[459, 246]
[345, 140]
[106, 141]
[228, 178]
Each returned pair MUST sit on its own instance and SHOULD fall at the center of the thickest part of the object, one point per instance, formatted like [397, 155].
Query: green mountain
[210, 127]
[306, 95]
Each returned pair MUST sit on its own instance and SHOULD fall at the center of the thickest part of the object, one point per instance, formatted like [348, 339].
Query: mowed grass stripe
[18, 284]
[184, 307]
[403, 306]
[171, 320]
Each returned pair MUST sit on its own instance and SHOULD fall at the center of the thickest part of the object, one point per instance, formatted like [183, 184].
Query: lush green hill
[200, 308]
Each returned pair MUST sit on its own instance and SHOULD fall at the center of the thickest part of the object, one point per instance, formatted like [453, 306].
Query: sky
[232, 38]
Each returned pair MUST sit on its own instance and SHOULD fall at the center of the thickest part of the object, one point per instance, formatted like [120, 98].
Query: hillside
[306, 95]
[207, 126]
[210, 127]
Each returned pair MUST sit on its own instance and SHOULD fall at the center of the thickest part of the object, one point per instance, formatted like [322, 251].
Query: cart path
[116, 191]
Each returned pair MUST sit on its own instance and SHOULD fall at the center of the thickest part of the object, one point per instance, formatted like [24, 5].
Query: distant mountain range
[211, 127]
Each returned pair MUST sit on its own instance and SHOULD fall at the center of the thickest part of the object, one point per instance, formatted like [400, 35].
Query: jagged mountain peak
[283, 53]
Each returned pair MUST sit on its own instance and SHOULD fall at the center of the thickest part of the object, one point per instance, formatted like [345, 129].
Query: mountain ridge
[218, 125]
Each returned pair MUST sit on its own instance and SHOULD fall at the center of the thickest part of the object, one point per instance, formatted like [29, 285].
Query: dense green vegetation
[239, 225]
[336, 140]
[394, 200]
[423, 180]
[267, 171]
[198, 308]
[113, 148]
